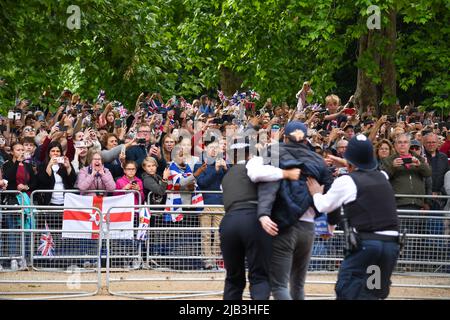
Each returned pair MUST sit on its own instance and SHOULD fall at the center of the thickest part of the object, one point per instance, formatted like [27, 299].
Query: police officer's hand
[313, 186]
[292, 174]
[269, 226]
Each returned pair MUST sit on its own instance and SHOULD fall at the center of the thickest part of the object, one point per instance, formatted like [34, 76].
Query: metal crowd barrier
[173, 254]
[13, 246]
[14, 285]
[85, 191]
[175, 248]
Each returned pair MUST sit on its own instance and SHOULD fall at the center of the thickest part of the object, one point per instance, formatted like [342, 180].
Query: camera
[133, 182]
[60, 159]
[391, 119]
[117, 123]
[407, 160]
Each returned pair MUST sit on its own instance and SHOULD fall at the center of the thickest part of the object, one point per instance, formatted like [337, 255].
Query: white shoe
[14, 265]
[23, 264]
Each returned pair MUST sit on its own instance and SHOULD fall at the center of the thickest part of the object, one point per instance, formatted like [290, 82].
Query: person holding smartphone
[130, 181]
[55, 173]
[407, 173]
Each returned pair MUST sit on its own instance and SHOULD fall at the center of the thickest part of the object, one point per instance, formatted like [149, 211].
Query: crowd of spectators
[102, 145]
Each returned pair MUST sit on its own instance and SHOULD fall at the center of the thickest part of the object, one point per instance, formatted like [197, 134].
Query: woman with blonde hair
[167, 144]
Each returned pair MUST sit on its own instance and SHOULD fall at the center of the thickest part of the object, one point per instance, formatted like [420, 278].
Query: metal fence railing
[46, 250]
[187, 252]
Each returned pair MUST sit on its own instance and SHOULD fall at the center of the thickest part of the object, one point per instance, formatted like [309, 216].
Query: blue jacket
[138, 153]
[207, 109]
[210, 179]
[286, 201]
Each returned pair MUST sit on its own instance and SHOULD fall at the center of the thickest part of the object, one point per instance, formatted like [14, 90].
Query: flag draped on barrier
[89, 220]
[144, 222]
[175, 198]
[47, 247]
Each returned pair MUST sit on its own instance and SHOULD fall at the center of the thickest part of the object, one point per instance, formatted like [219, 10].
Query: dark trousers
[241, 236]
[352, 283]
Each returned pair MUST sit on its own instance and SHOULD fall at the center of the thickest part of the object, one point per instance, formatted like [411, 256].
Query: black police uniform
[241, 236]
[372, 212]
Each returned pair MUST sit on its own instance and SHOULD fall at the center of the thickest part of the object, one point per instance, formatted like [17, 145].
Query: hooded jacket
[286, 201]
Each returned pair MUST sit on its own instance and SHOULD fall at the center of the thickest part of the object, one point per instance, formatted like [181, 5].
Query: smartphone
[80, 144]
[141, 141]
[124, 149]
[349, 112]
[133, 182]
[118, 123]
[62, 128]
[11, 115]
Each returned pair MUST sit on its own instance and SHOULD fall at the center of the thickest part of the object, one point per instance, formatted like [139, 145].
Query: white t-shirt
[57, 197]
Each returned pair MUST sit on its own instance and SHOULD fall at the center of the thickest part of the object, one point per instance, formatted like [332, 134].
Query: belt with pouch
[377, 236]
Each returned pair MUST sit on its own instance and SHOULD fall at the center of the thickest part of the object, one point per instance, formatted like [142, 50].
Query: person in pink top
[130, 182]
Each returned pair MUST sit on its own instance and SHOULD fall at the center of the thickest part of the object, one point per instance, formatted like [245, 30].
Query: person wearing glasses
[130, 181]
[145, 148]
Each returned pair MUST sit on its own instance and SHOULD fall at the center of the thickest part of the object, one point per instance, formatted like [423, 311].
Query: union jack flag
[101, 96]
[144, 222]
[121, 109]
[174, 198]
[46, 247]
[222, 97]
[185, 104]
[235, 98]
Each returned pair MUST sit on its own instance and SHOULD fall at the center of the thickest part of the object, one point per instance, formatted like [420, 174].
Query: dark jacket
[210, 180]
[10, 171]
[48, 182]
[439, 167]
[286, 201]
[155, 185]
[138, 153]
[407, 180]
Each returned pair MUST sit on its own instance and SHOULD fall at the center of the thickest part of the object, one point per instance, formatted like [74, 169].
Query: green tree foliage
[180, 46]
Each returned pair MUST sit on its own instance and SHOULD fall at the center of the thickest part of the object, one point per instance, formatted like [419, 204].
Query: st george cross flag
[174, 198]
[144, 223]
[254, 95]
[47, 247]
[89, 220]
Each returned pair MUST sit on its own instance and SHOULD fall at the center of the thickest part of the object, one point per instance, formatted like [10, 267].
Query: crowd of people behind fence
[104, 145]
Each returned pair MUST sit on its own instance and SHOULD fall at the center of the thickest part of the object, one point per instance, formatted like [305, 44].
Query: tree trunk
[388, 70]
[379, 45]
[366, 91]
[229, 81]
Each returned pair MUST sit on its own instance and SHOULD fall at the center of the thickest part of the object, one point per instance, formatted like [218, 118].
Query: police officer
[241, 235]
[369, 205]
